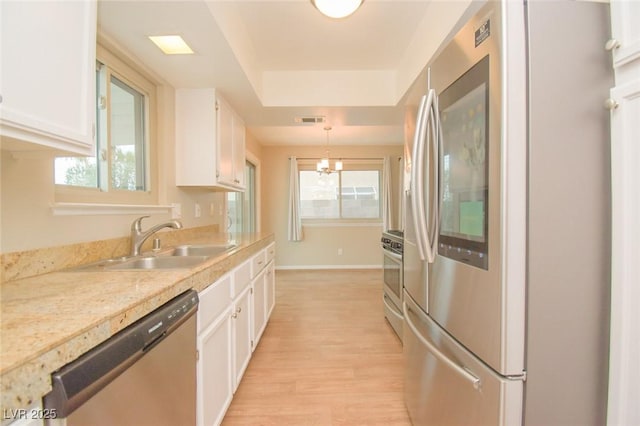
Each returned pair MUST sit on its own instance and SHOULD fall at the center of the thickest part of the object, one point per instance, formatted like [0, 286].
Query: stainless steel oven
[392, 247]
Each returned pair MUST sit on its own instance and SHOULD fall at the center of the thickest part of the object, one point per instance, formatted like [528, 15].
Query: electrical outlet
[176, 211]
[339, 252]
[212, 209]
[198, 211]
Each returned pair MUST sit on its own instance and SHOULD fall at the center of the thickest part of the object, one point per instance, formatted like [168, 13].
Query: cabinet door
[195, 133]
[625, 29]
[47, 84]
[270, 290]
[625, 272]
[213, 301]
[241, 318]
[259, 307]
[238, 151]
[215, 370]
[225, 143]
[624, 351]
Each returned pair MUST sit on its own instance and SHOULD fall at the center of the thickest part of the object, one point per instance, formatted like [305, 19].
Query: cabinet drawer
[258, 263]
[241, 278]
[213, 301]
[271, 252]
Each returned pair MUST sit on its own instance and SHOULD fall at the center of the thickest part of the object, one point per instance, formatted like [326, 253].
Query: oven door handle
[395, 311]
[392, 255]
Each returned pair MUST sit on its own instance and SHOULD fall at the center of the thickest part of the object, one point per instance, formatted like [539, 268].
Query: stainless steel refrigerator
[506, 239]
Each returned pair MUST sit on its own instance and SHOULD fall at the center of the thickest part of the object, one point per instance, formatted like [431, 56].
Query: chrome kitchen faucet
[138, 237]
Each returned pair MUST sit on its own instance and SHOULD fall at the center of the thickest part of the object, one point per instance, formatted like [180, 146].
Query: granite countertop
[51, 319]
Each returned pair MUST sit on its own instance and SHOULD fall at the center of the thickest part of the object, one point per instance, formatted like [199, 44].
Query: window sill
[79, 209]
[315, 223]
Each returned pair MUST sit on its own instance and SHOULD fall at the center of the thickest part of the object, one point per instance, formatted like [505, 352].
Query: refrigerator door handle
[432, 231]
[427, 120]
[416, 178]
[460, 370]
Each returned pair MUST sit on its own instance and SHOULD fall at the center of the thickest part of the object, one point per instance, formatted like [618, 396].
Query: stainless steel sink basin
[185, 256]
[208, 250]
[159, 262]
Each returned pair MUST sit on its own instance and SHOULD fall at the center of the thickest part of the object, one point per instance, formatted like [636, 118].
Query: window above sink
[122, 169]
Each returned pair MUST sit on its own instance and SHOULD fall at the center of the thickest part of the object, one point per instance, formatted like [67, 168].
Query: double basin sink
[183, 256]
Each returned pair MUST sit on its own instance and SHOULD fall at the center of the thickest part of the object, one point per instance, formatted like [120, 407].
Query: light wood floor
[327, 357]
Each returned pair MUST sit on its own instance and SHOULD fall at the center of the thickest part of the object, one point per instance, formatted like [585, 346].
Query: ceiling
[275, 61]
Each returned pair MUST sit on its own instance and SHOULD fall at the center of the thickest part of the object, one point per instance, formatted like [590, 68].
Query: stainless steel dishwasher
[143, 375]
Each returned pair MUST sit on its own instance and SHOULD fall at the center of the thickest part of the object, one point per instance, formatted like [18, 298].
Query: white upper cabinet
[47, 78]
[625, 32]
[624, 386]
[231, 144]
[210, 141]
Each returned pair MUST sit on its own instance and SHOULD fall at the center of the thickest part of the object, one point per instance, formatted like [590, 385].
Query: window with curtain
[353, 193]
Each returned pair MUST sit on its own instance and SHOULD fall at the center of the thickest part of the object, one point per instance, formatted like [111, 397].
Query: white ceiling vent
[310, 120]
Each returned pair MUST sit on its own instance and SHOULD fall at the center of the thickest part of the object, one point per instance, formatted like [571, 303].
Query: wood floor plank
[327, 357]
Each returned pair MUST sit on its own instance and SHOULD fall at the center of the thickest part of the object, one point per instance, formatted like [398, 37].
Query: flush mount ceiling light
[322, 167]
[337, 8]
[171, 44]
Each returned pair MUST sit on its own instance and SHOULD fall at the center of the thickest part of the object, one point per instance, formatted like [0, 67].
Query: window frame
[132, 75]
[372, 164]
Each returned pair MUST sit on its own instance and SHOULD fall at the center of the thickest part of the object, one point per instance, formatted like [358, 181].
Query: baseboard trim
[301, 267]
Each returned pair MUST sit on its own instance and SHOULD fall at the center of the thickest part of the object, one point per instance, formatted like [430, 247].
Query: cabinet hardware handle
[612, 44]
[234, 316]
[239, 310]
[611, 104]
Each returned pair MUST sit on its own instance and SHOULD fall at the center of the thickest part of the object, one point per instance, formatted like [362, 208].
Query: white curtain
[387, 209]
[295, 223]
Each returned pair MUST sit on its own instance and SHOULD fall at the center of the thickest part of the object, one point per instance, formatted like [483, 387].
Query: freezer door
[447, 385]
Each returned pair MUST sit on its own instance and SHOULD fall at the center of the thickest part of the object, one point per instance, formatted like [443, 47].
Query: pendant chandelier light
[337, 8]
[322, 167]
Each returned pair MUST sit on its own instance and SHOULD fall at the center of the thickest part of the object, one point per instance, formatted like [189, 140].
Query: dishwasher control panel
[169, 315]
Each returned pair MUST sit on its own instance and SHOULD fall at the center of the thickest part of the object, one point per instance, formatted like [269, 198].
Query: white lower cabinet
[263, 300]
[215, 353]
[227, 332]
[241, 334]
[269, 290]
[215, 379]
[263, 282]
[259, 305]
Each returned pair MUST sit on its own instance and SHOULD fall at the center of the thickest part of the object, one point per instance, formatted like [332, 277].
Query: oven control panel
[391, 241]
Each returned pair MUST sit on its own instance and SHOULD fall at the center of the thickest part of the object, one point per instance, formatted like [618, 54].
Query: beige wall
[360, 244]
[253, 145]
